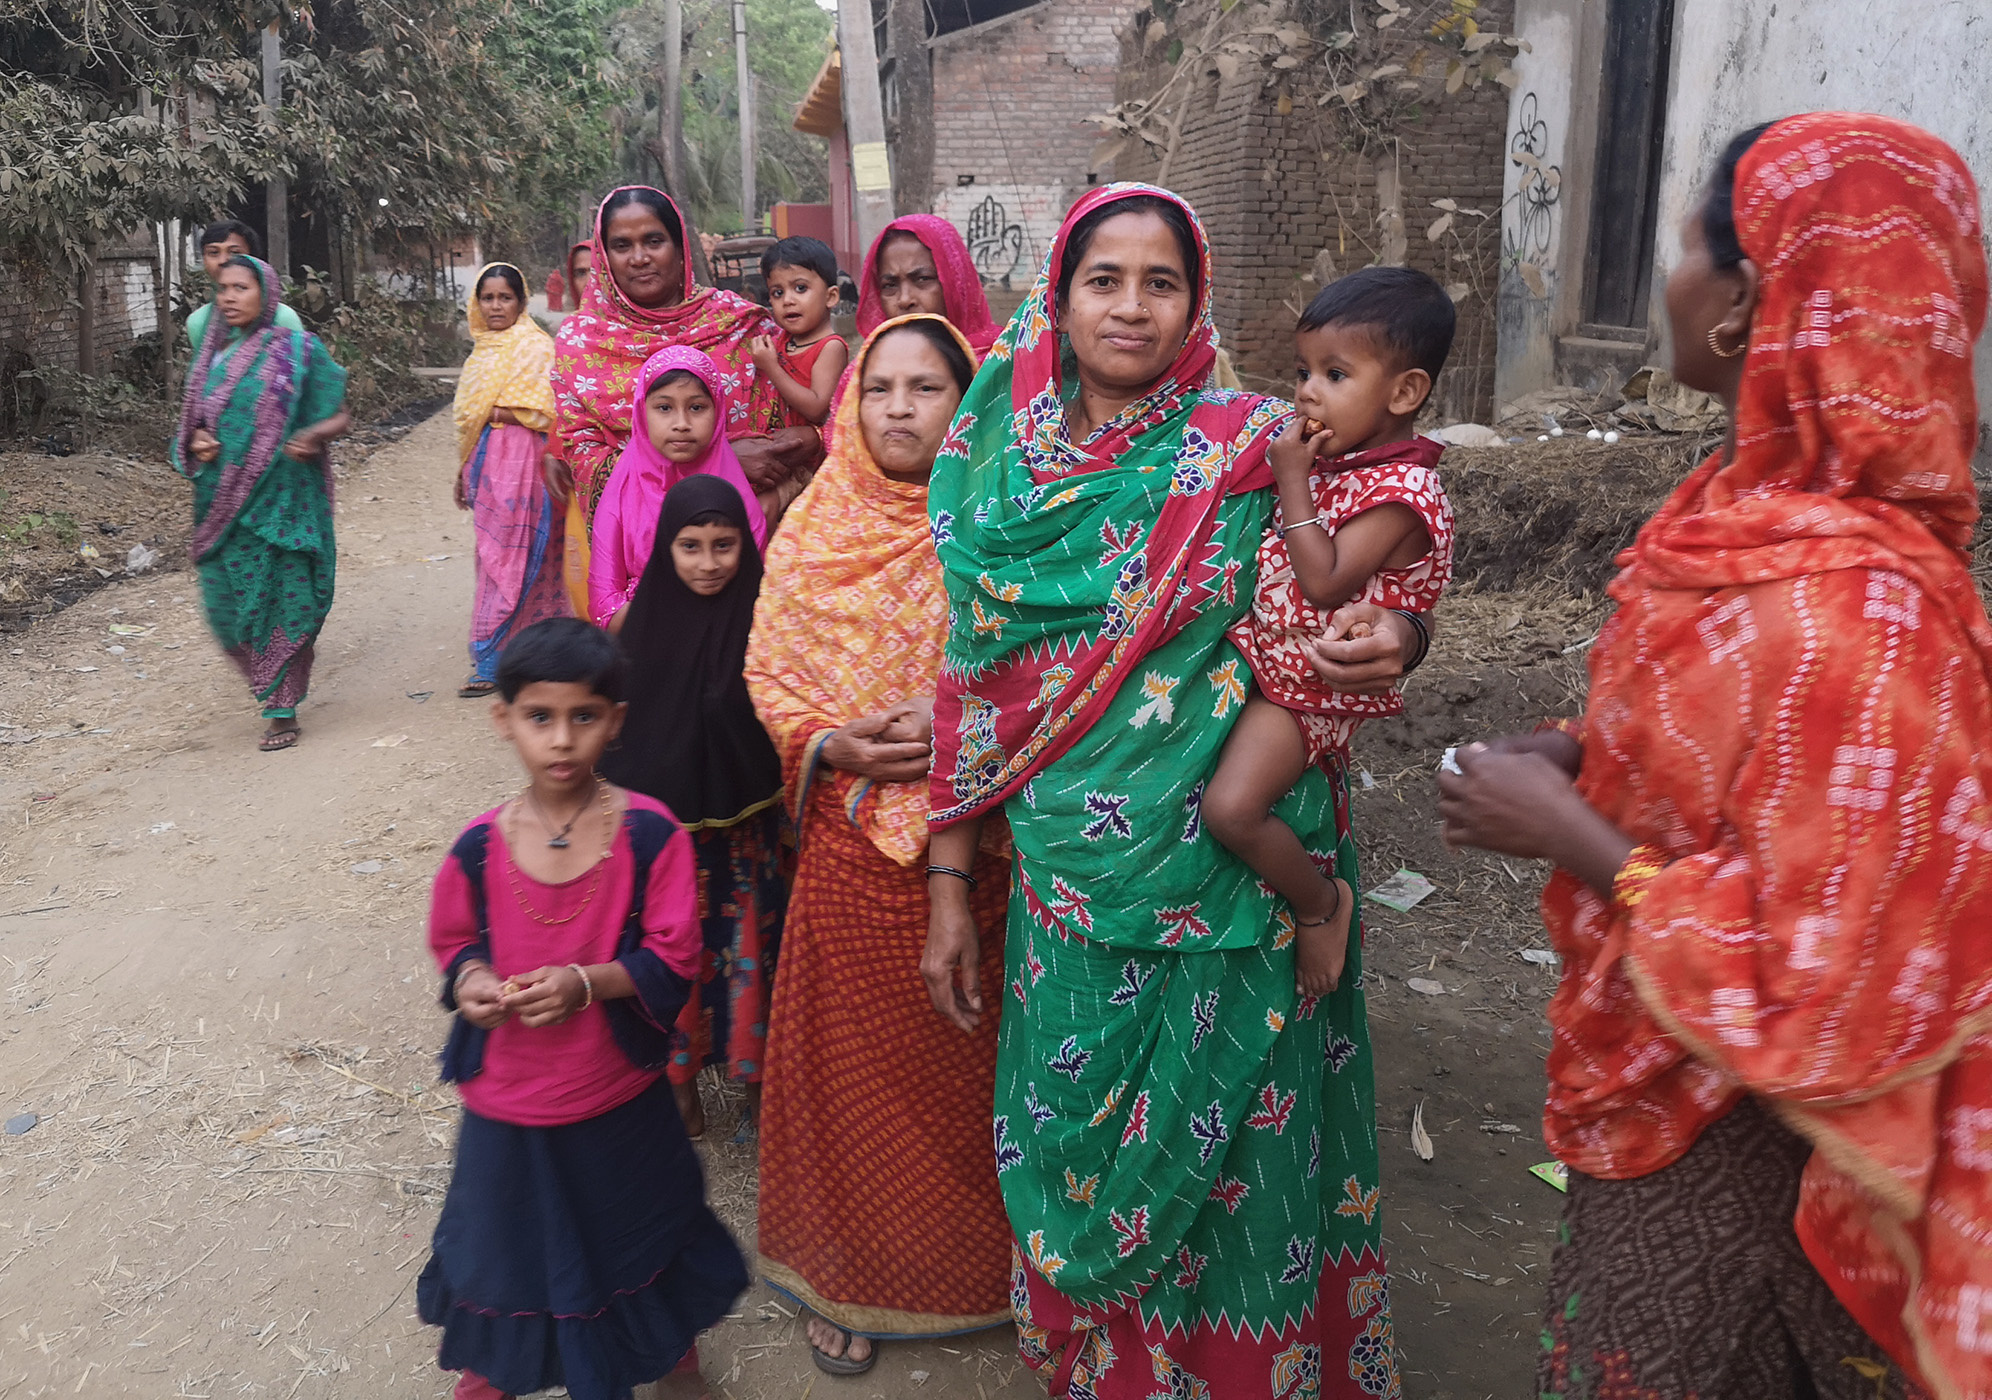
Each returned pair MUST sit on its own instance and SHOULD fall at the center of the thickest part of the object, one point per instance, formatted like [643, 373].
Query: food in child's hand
[1359, 629]
[1309, 427]
[511, 987]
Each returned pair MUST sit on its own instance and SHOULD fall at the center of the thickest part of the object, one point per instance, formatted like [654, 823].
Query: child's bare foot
[1322, 949]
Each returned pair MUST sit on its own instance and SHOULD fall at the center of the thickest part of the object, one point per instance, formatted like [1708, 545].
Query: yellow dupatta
[506, 369]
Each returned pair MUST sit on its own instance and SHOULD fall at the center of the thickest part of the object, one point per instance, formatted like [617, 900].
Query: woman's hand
[769, 461]
[1553, 744]
[911, 721]
[546, 996]
[859, 747]
[205, 446]
[503, 417]
[951, 966]
[479, 998]
[1363, 650]
[559, 478]
[1525, 804]
[462, 491]
[311, 442]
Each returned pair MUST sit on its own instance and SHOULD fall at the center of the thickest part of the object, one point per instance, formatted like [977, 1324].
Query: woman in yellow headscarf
[503, 411]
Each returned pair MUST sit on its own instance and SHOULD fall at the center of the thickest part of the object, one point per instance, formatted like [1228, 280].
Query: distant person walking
[503, 412]
[220, 241]
[262, 405]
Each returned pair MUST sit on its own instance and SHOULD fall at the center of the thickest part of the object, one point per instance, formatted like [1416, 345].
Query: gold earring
[1715, 344]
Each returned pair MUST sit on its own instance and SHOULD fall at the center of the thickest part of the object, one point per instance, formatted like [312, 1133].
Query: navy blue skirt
[582, 1255]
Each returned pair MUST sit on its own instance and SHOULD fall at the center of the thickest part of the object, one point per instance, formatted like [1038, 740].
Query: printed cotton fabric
[506, 369]
[602, 346]
[1186, 1146]
[1789, 713]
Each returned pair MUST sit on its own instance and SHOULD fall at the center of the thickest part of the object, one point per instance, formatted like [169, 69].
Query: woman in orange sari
[1770, 1076]
[880, 1210]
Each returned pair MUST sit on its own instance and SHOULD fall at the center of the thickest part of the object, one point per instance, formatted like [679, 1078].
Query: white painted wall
[1535, 208]
[1741, 62]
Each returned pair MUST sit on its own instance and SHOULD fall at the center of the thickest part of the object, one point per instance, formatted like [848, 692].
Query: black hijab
[691, 739]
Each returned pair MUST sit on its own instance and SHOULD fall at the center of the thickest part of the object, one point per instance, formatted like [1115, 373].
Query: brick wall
[1011, 102]
[1274, 191]
[38, 318]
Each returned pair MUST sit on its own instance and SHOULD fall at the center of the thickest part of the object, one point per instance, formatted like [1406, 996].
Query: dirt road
[217, 1000]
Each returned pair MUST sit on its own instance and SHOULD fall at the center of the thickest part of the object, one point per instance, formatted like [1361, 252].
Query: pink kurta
[564, 1073]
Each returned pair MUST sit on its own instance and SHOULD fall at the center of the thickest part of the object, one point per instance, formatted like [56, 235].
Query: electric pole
[749, 207]
[276, 206]
[671, 111]
[864, 119]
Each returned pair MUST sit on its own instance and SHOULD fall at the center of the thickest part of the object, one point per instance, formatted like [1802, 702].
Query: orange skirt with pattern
[879, 1204]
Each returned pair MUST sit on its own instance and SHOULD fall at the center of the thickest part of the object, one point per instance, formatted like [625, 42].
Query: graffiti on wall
[1532, 232]
[994, 242]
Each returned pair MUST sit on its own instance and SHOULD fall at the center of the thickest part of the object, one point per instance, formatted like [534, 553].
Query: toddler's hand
[1302, 441]
[764, 353]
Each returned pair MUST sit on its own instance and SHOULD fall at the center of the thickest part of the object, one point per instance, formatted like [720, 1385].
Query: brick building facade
[1013, 146]
[40, 321]
[1276, 192]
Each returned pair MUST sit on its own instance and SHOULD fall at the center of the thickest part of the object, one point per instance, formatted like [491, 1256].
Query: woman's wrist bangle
[587, 984]
[1316, 520]
[1424, 631]
[950, 870]
[463, 972]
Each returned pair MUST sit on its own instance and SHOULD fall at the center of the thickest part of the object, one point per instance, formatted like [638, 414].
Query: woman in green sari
[262, 405]
[1186, 1146]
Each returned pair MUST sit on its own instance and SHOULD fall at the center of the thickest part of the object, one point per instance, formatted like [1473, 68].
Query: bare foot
[827, 1337]
[691, 1108]
[1323, 944]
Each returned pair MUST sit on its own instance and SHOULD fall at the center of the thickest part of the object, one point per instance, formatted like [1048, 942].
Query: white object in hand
[1449, 761]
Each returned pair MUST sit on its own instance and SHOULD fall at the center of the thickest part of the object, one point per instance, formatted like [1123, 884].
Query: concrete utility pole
[276, 206]
[864, 119]
[912, 131]
[671, 111]
[749, 208]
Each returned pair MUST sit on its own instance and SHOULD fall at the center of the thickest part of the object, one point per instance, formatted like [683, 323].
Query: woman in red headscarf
[1770, 1076]
[920, 266]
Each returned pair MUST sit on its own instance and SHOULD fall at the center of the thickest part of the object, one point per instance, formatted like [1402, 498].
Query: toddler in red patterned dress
[1361, 517]
[806, 362]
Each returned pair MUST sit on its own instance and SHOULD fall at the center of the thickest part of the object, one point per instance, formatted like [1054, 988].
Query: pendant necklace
[558, 840]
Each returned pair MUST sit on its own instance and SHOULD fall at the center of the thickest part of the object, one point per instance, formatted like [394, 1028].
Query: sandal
[476, 689]
[277, 740]
[843, 1365]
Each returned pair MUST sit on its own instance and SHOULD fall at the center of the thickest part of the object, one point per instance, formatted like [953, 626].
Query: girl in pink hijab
[676, 417]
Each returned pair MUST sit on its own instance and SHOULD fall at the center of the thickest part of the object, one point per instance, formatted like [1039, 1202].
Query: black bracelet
[1424, 638]
[950, 870]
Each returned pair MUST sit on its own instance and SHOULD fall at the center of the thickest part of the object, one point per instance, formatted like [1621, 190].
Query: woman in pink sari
[652, 462]
[920, 266]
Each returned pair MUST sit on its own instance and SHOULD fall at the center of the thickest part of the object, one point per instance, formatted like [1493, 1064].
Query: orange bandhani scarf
[1791, 713]
[852, 618]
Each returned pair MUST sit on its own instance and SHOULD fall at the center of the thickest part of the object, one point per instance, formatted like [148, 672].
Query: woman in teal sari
[262, 405]
[1186, 1146]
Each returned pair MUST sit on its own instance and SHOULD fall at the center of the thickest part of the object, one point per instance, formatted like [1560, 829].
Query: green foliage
[787, 41]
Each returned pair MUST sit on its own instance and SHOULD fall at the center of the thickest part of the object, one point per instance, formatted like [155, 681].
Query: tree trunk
[671, 99]
[86, 316]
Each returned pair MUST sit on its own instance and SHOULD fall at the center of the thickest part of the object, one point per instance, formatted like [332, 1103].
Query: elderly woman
[1772, 833]
[1186, 1145]
[640, 298]
[879, 1206]
[262, 407]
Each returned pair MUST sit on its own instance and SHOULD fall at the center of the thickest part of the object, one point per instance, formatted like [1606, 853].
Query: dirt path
[218, 1001]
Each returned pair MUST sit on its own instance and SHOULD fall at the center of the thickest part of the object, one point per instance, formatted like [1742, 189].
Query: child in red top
[575, 1246]
[805, 366]
[1361, 517]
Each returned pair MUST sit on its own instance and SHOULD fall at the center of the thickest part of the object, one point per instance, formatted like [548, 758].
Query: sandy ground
[218, 1002]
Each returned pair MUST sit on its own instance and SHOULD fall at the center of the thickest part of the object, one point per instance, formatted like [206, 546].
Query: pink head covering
[961, 286]
[624, 532]
[641, 459]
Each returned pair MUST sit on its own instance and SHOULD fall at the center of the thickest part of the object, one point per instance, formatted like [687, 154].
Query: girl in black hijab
[692, 741]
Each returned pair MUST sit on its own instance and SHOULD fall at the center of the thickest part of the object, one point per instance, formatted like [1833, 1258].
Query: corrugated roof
[822, 111]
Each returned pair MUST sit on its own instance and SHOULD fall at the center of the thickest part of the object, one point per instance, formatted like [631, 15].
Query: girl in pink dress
[575, 1245]
[679, 407]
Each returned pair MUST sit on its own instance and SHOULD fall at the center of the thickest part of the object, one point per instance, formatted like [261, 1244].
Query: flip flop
[474, 689]
[277, 740]
[843, 1365]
